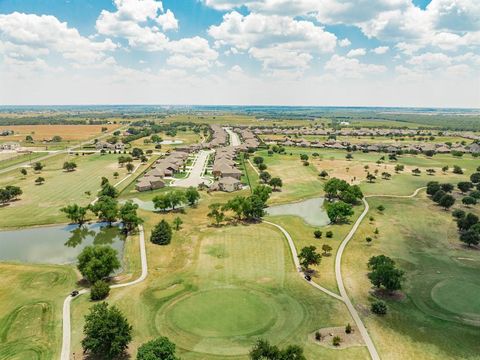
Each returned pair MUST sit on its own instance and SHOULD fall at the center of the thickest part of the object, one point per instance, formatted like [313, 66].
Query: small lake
[311, 211]
[57, 244]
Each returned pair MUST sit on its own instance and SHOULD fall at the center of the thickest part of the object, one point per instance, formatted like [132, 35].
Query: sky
[412, 53]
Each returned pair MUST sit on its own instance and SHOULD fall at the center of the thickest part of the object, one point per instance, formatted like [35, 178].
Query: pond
[57, 244]
[311, 211]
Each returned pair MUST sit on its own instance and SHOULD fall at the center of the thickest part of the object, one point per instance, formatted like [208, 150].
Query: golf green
[458, 296]
[223, 313]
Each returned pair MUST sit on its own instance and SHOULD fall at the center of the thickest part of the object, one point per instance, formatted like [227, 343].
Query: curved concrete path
[66, 339]
[338, 271]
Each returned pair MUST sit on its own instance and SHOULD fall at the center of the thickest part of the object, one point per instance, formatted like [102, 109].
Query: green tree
[192, 195]
[308, 256]
[457, 170]
[159, 349]
[40, 180]
[130, 167]
[263, 350]
[263, 192]
[128, 215]
[446, 201]
[323, 174]
[265, 177]
[75, 213]
[69, 166]
[177, 222]
[471, 236]
[326, 249]
[469, 200]
[106, 209]
[38, 166]
[107, 332]
[137, 153]
[108, 190]
[177, 197]
[275, 183]
[216, 213]
[378, 307]
[162, 202]
[465, 186]
[448, 188]
[399, 168]
[237, 205]
[258, 160]
[97, 262]
[161, 233]
[99, 290]
[475, 178]
[23, 171]
[384, 273]
[339, 212]
[416, 172]
[317, 234]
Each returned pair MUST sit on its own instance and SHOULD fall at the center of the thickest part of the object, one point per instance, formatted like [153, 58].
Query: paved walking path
[66, 339]
[338, 271]
[195, 176]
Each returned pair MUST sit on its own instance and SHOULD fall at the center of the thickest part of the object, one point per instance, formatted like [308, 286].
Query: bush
[348, 328]
[161, 234]
[317, 234]
[99, 290]
[161, 348]
[329, 234]
[379, 307]
[318, 336]
[336, 341]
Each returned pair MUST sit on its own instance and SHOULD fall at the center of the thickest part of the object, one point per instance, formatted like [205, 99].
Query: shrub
[379, 307]
[336, 341]
[99, 290]
[317, 234]
[318, 336]
[368, 239]
[160, 348]
[348, 328]
[161, 234]
[329, 234]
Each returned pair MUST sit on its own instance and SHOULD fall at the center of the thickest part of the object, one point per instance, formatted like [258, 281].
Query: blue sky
[302, 52]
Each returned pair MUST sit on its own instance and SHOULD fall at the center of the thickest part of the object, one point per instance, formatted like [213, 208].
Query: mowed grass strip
[439, 317]
[30, 310]
[40, 204]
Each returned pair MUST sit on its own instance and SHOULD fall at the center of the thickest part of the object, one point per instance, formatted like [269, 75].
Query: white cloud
[352, 68]
[130, 21]
[356, 52]
[269, 36]
[168, 21]
[380, 50]
[30, 35]
[344, 43]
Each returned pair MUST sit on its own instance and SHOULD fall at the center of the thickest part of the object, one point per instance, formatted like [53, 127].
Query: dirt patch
[46, 132]
[386, 295]
[346, 340]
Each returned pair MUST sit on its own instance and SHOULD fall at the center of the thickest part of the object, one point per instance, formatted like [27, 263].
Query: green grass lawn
[213, 291]
[40, 204]
[31, 309]
[440, 315]
[20, 159]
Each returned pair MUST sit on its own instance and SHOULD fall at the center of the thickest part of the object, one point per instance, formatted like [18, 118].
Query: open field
[31, 309]
[442, 282]
[19, 158]
[40, 204]
[40, 133]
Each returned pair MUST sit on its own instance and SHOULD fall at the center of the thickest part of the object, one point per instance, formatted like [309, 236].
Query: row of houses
[225, 169]
[249, 139]
[176, 160]
[362, 132]
[10, 145]
[104, 145]
[422, 147]
[166, 167]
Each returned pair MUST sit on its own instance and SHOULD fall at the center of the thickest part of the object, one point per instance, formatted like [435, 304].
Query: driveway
[195, 176]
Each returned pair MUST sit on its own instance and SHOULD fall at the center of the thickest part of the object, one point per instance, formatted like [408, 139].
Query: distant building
[10, 146]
